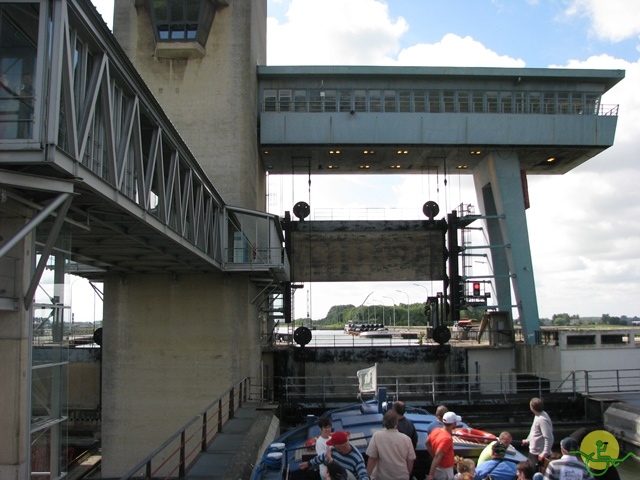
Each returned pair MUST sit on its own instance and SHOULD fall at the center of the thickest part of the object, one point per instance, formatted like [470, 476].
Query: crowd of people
[391, 452]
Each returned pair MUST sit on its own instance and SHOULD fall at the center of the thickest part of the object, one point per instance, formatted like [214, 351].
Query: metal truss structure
[105, 160]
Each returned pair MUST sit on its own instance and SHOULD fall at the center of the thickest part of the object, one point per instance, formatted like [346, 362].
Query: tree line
[401, 314]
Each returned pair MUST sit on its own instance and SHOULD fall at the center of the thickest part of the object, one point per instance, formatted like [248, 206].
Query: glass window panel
[592, 103]
[176, 10]
[448, 101]
[434, 101]
[177, 32]
[315, 100]
[478, 102]
[535, 105]
[160, 11]
[577, 103]
[18, 50]
[284, 95]
[375, 103]
[390, 101]
[360, 100]
[549, 103]
[300, 100]
[419, 101]
[563, 103]
[193, 10]
[520, 102]
[163, 32]
[404, 100]
[492, 102]
[506, 101]
[345, 101]
[464, 104]
[330, 101]
[270, 100]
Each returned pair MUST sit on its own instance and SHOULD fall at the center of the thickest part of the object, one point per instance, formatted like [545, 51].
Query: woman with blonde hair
[464, 466]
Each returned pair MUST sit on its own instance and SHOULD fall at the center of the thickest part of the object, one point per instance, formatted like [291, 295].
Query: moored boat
[379, 333]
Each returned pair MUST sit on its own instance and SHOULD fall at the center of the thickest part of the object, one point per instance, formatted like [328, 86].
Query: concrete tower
[206, 82]
[184, 340]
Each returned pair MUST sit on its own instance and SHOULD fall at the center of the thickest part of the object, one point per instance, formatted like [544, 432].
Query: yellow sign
[599, 451]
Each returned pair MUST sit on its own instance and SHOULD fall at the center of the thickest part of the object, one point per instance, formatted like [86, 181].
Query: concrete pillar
[212, 100]
[498, 185]
[171, 345]
[15, 346]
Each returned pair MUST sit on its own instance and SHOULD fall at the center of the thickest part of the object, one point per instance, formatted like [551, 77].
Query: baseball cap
[570, 444]
[450, 417]
[338, 438]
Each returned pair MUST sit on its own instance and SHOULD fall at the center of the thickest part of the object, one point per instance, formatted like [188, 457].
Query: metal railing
[350, 100]
[183, 448]
[470, 388]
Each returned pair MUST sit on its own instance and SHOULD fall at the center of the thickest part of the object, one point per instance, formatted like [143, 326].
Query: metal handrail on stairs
[194, 437]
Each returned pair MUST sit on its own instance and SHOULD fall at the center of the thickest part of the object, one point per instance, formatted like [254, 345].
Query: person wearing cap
[391, 454]
[570, 465]
[344, 453]
[437, 423]
[497, 467]
[440, 446]
[404, 424]
[504, 438]
[540, 439]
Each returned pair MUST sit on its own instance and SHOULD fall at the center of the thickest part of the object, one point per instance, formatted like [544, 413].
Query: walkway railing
[469, 389]
[174, 457]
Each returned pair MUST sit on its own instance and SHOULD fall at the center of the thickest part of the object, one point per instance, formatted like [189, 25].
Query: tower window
[182, 20]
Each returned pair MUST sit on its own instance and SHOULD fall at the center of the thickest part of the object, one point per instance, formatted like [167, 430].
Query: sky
[584, 226]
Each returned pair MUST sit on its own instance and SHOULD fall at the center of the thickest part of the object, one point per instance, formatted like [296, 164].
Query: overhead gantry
[497, 124]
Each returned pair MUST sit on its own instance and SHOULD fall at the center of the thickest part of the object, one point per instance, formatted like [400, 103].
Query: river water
[338, 338]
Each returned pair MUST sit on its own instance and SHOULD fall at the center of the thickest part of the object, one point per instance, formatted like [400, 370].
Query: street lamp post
[394, 310]
[408, 311]
[374, 309]
[363, 302]
[422, 286]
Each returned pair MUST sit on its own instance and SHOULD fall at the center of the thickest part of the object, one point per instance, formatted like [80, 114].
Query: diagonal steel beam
[66, 200]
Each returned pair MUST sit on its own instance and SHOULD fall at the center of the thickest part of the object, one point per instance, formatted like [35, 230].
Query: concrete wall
[556, 363]
[332, 371]
[496, 366]
[211, 100]
[170, 347]
[15, 346]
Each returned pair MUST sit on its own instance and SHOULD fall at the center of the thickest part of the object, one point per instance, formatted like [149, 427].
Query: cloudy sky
[584, 226]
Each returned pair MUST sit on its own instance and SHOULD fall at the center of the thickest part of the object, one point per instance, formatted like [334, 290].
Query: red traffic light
[476, 289]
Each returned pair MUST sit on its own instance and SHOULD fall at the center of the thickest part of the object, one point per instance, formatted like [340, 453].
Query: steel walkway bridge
[91, 149]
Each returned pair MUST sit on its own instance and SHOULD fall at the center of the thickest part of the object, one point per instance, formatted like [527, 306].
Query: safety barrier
[469, 389]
